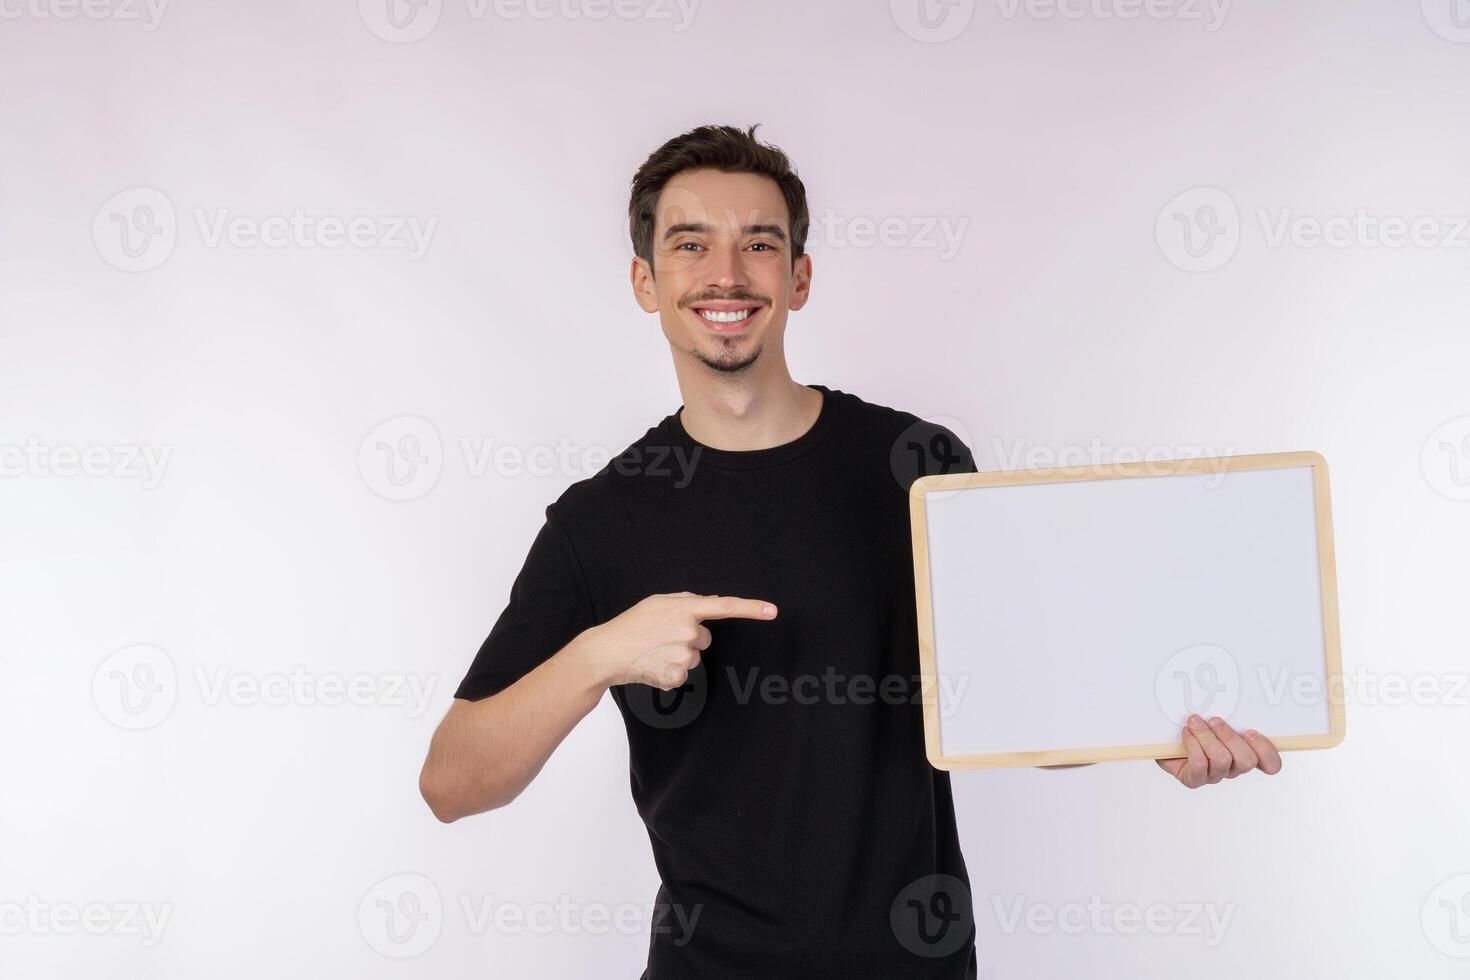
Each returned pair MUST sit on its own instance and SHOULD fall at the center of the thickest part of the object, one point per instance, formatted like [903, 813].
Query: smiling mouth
[727, 317]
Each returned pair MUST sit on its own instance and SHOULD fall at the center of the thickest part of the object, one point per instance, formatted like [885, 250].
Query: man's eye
[682, 244]
[765, 245]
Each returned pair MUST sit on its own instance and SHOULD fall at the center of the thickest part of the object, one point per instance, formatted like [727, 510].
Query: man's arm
[484, 753]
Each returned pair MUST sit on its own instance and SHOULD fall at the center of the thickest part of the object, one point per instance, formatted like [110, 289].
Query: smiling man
[752, 618]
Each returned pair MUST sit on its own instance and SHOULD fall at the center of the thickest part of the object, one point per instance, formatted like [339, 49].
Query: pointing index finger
[732, 607]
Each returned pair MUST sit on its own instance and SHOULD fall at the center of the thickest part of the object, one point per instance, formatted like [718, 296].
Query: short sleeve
[961, 459]
[927, 448]
[549, 605]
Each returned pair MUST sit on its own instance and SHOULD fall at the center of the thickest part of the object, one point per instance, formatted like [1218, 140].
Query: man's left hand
[1217, 752]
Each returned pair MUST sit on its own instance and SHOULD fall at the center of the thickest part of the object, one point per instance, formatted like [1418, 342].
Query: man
[741, 580]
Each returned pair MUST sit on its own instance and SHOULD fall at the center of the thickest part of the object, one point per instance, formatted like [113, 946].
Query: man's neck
[747, 414]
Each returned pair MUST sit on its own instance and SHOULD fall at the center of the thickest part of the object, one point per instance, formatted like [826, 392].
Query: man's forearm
[484, 753]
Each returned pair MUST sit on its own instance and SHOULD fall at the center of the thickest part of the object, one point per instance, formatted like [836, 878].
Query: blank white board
[1079, 614]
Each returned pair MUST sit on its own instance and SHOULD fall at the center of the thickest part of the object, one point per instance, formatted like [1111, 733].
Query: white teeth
[717, 316]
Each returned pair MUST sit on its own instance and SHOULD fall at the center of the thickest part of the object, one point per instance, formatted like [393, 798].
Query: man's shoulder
[900, 429]
[912, 445]
[649, 455]
[879, 414]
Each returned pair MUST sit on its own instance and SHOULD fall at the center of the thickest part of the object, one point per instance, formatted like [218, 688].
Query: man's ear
[801, 286]
[644, 291]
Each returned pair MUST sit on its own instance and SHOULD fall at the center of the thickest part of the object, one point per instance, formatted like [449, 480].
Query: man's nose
[726, 268]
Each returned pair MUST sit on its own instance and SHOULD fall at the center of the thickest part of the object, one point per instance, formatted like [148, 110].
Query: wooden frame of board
[1327, 570]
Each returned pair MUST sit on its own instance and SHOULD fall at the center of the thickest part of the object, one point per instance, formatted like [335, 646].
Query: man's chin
[729, 360]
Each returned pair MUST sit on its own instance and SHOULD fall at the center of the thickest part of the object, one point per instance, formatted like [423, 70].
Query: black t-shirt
[796, 823]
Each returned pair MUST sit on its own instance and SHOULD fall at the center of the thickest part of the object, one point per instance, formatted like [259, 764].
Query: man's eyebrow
[700, 228]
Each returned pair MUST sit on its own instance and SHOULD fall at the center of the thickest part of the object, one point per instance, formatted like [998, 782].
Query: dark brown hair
[723, 148]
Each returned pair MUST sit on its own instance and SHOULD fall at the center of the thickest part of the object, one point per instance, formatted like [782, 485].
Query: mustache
[742, 296]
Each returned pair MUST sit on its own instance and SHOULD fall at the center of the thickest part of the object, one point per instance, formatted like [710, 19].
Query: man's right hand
[485, 752]
[658, 640]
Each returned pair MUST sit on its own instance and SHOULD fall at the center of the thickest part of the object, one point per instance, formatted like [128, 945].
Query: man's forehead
[721, 200]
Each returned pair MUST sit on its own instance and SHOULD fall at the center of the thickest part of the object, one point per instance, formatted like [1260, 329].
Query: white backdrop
[250, 254]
